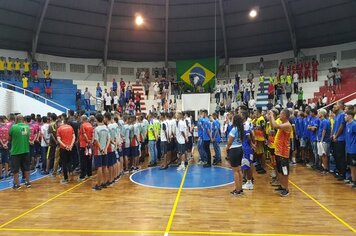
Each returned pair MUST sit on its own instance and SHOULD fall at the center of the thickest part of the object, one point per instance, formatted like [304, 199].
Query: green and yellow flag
[197, 73]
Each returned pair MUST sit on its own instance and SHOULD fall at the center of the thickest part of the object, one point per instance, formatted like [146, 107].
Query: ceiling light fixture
[139, 20]
[253, 13]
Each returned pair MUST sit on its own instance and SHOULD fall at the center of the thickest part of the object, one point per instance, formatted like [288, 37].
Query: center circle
[197, 177]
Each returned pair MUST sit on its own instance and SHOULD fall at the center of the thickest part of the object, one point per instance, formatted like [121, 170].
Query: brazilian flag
[197, 73]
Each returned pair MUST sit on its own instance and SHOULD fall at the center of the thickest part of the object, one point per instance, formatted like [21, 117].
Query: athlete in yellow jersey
[2, 68]
[26, 67]
[260, 141]
[46, 72]
[282, 149]
[9, 68]
[17, 69]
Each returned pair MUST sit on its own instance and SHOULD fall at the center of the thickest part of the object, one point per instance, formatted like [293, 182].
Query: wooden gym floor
[317, 205]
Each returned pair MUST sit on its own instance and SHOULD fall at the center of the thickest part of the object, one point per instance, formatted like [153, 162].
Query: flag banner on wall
[197, 74]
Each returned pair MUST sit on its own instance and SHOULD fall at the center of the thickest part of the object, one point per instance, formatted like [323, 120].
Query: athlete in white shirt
[181, 140]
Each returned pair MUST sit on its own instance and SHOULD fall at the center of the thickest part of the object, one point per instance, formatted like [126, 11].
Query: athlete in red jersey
[294, 68]
[315, 65]
[300, 69]
[281, 69]
[307, 70]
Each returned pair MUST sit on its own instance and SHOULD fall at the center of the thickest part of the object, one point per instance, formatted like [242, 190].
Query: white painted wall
[15, 102]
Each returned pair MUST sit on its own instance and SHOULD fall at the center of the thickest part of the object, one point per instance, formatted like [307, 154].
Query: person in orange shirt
[65, 138]
[86, 140]
[282, 149]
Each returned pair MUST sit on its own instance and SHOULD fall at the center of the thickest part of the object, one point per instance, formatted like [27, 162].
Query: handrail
[350, 95]
[46, 100]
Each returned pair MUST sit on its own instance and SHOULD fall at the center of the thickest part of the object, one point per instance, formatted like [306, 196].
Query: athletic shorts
[134, 151]
[351, 159]
[259, 147]
[282, 165]
[164, 147]
[111, 158]
[120, 153]
[235, 156]
[22, 161]
[181, 148]
[17, 72]
[4, 156]
[9, 72]
[127, 152]
[190, 143]
[323, 148]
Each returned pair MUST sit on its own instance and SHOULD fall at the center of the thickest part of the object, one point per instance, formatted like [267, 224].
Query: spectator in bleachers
[156, 73]
[9, 68]
[78, 97]
[290, 104]
[289, 67]
[36, 85]
[131, 107]
[24, 81]
[17, 66]
[235, 90]
[280, 69]
[282, 81]
[146, 85]
[315, 65]
[333, 96]
[307, 70]
[122, 100]
[337, 79]
[271, 91]
[300, 97]
[288, 89]
[99, 102]
[250, 76]
[334, 64]
[324, 100]
[99, 91]
[330, 76]
[224, 90]
[48, 86]
[87, 96]
[279, 94]
[295, 82]
[46, 73]
[261, 65]
[252, 87]
[114, 85]
[242, 88]
[261, 81]
[138, 102]
[115, 101]
[164, 73]
[122, 85]
[270, 104]
[230, 88]
[26, 67]
[129, 89]
[217, 92]
[2, 68]
[108, 101]
[34, 69]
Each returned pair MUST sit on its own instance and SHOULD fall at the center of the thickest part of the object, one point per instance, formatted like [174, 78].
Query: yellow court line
[42, 230]
[169, 224]
[322, 206]
[38, 206]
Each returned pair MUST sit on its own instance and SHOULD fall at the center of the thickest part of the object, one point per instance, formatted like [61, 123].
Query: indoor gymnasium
[178, 117]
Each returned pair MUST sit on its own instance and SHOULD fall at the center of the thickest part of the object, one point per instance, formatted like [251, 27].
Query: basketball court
[167, 202]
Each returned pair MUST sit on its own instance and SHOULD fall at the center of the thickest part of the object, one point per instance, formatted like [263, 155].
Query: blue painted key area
[197, 177]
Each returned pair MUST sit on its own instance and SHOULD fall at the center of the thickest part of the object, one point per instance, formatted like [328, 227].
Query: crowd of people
[117, 143]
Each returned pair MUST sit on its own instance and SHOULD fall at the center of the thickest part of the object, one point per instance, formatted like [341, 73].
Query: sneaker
[273, 174]
[81, 179]
[354, 186]
[181, 168]
[103, 186]
[96, 188]
[236, 193]
[293, 163]
[44, 173]
[207, 165]
[64, 181]
[284, 193]
[275, 183]
[152, 164]
[248, 186]
[215, 163]
[16, 187]
[347, 181]
[28, 185]
[163, 167]
[309, 165]
[279, 188]
[200, 162]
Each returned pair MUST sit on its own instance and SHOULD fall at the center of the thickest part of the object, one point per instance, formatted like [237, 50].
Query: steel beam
[38, 29]
[166, 35]
[222, 17]
[291, 26]
[107, 35]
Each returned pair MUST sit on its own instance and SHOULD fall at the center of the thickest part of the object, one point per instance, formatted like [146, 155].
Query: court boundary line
[321, 205]
[153, 232]
[42, 204]
[173, 211]
[172, 188]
